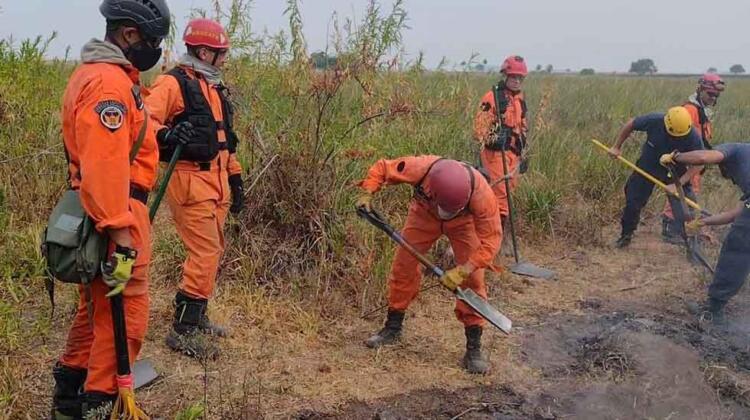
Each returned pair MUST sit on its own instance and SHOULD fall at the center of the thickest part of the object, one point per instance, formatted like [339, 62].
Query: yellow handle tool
[648, 176]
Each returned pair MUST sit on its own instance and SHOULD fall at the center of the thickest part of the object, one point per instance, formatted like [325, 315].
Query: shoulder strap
[141, 136]
[524, 108]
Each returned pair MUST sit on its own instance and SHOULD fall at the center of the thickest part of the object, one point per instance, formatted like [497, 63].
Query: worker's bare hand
[614, 152]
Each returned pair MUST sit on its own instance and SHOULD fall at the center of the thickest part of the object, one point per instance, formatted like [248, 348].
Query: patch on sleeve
[401, 165]
[486, 106]
[111, 114]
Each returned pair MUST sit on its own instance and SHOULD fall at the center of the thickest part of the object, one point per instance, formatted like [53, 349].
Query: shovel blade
[484, 309]
[531, 270]
[144, 373]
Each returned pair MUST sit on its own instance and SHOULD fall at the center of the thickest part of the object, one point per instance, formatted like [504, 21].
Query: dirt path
[610, 339]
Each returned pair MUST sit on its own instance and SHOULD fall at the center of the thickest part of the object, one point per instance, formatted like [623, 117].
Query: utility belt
[506, 140]
[139, 194]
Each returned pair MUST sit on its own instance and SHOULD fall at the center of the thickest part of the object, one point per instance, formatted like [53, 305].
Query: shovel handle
[165, 182]
[120, 333]
[377, 220]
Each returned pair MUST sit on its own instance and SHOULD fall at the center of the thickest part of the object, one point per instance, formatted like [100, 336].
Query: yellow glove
[693, 227]
[117, 271]
[364, 202]
[455, 276]
[668, 159]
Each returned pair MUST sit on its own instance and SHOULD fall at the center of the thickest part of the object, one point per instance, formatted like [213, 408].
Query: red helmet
[450, 185]
[711, 82]
[514, 66]
[206, 33]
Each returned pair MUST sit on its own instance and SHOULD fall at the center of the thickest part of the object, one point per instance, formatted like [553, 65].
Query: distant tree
[463, 63]
[712, 70]
[538, 67]
[479, 67]
[587, 72]
[643, 66]
[484, 62]
[549, 68]
[737, 69]
[322, 60]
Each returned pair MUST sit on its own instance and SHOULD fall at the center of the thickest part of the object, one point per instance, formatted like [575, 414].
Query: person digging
[665, 133]
[452, 199]
[733, 266]
[700, 106]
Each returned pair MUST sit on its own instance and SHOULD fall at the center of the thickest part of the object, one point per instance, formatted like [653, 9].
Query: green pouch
[72, 246]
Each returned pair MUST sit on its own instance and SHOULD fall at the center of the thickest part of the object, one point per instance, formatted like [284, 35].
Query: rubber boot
[474, 362]
[624, 240]
[98, 406]
[712, 309]
[670, 233]
[187, 336]
[390, 333]
[67, 401]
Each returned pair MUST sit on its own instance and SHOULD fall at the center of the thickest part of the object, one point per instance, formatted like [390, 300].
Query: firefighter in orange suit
[102, 117]
[453, 199]
[508, 134]
[191, 107]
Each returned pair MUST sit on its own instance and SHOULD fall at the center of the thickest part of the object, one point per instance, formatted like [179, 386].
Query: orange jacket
[695, 115]
[101, 121]
[482, 205]
[486, 118]
[165, 101]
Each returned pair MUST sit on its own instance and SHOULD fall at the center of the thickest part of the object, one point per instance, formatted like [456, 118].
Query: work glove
[116, 272]
[182, 133]
[524, 166]
[238, 198]
[667, 160]
[364, 202]
[455, 276]
[693, 227]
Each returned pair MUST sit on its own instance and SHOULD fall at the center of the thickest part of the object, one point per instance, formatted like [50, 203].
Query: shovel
[691, 242]
[468, 296]
[521, 268]
[144, 373]
[163, 187]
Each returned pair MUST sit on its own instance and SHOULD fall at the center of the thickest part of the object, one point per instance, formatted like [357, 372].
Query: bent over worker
[733, 266]
[452, 199]
[191, 107]
[665, 133]
[507, 134]
[700, 106]
[102, 117]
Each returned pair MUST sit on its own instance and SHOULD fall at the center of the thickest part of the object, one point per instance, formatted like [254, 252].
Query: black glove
[238, 199]
[183, 133]
[524, 167]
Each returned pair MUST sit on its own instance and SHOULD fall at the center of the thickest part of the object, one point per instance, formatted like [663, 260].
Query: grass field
[299, 262]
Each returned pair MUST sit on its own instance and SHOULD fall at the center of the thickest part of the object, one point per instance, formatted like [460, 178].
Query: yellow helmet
[678, 121]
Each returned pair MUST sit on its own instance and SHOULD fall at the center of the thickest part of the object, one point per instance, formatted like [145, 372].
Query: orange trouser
[199, 201]
[422, 229]
[94, 349]
[492, 162]
[695, 182]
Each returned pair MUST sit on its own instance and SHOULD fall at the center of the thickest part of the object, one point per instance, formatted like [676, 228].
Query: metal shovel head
[144, 373]
[484, 309]
[530, 270]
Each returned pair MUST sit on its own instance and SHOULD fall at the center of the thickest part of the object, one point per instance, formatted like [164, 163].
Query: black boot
[711, 309]
[67, 401]
[624, 240]
[187, 336]
[98, 406]
[390, 333]
[474, 361]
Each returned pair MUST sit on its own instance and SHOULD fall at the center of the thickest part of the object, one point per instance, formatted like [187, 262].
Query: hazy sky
[681, 36]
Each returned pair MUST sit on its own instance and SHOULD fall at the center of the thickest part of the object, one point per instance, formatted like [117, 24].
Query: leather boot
[474, 361]
[390, 333]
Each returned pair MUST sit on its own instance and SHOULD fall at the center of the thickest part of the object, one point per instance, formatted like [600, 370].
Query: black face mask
[142, 55]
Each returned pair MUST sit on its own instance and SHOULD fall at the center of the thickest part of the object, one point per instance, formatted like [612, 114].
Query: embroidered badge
[111, 114]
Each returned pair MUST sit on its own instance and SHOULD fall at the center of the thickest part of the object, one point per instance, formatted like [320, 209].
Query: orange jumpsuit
[484, 126]
[706, 132]
[475, 234]
[102, 118]
[199, 199]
